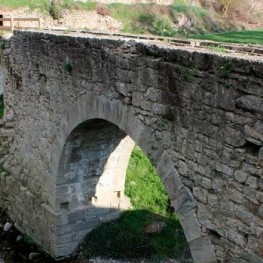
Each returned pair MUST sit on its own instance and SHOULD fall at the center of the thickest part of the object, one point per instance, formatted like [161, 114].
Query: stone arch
[89, 108]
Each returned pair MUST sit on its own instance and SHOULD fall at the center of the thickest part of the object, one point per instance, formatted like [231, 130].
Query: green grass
[42, 4]
[16, 3]
[241, 37]
[143, 185]
[142, 19]
[124, 238]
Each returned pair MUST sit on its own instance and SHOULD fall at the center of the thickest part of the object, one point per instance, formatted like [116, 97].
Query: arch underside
[90, 182]
[90, 159]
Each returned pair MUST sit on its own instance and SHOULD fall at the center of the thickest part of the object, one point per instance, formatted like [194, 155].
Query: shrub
[55, 9]
[163, 28]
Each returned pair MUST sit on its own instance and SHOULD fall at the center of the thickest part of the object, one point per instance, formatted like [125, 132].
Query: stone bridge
[74, 108]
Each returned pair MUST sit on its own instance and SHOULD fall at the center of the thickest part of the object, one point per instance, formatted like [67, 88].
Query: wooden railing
[15, 23]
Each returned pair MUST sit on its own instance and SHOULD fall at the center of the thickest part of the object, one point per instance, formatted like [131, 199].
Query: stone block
[207, 183]
[184, 201]
[243, 215]
[65, 249]
[241, 176]
[173, 184]
[200, 194]
[260, 211]
[202, 250]
[165, 166]
[237, 238]
[191, 226]
[212, 200]
[236, 196]
[234, 137]
[152, 94]
[250, 102]
[76, 216]
[225, 169]
[260, 153]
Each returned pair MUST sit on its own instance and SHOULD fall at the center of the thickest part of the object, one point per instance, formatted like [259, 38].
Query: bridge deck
[229, 49]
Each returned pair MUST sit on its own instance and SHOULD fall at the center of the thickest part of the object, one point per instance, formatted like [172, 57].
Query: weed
[29, 240]
[2, 44]
[226, 85]
[191, 72]
[4, 171]
[225, 69]
[217, 48]
[67, 67]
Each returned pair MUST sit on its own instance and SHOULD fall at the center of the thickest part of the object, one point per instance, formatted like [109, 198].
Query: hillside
[177, 19]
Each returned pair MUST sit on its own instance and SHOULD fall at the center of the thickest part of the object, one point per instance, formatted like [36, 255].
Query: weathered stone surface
[65, 148]
[260, 153]
[249, 102]
[201, 252]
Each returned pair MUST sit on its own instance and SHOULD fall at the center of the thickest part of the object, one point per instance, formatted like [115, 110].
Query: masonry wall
[202, 110]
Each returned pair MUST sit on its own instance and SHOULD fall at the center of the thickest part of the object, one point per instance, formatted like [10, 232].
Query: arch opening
[91, 181]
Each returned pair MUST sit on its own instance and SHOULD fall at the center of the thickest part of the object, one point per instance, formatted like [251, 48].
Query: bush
[55, 9]
[163, 28]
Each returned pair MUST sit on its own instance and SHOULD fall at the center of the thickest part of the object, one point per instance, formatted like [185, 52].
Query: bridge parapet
[197, 115]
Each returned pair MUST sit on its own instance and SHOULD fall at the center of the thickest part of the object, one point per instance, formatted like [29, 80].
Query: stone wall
[198, 116]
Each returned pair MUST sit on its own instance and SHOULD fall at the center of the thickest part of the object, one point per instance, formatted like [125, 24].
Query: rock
[33, 255]
[250, 103]
[154, 228]
[260, 153]
[7, 226]
[19, 238]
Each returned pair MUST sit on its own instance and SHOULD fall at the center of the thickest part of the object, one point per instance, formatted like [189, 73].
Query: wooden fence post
[12, 23]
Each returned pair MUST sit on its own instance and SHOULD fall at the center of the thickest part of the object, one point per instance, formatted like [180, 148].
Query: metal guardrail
[14, 23]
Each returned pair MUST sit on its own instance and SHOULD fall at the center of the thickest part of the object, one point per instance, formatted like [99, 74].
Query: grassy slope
[159, 20]
[124, 237]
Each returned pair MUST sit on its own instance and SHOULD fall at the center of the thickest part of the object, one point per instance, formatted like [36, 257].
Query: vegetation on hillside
[181, 18]
[125, 237]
